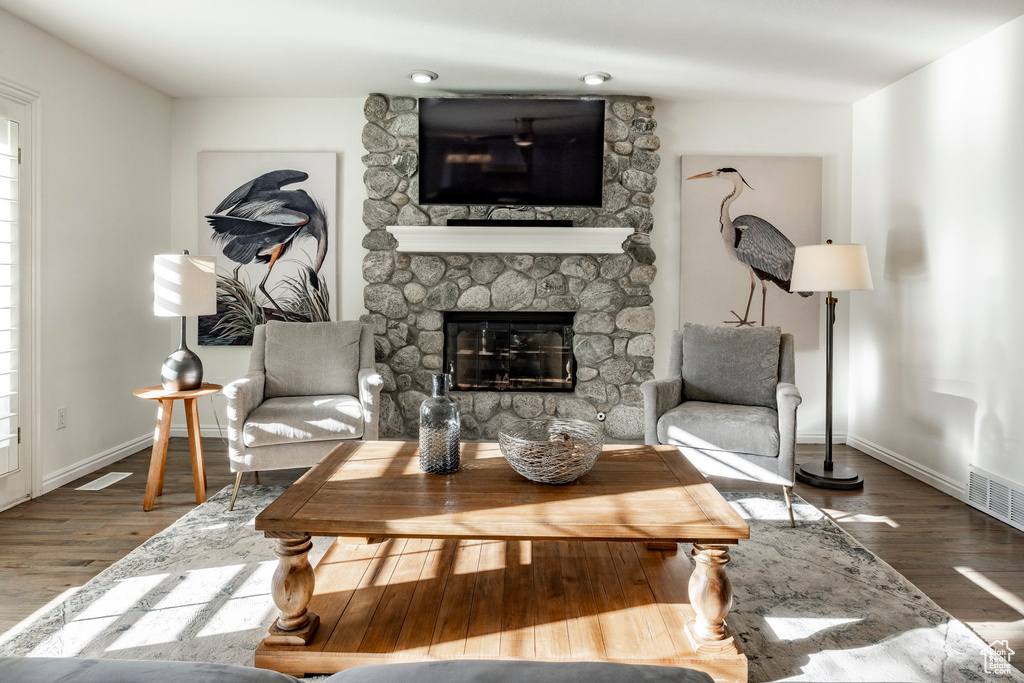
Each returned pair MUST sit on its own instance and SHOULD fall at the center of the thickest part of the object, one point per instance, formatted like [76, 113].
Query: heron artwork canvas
[268, 219]
[741, 220]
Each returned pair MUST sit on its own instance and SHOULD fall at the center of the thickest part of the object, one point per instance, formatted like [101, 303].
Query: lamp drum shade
[184, 285]
[830, 268]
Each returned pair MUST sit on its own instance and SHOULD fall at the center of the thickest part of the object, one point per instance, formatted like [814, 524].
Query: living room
[908, 112]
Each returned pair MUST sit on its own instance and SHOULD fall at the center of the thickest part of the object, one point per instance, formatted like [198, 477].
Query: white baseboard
[68, 474]
[205, 431]
[819, 437]
[904, 464]
[19, 501]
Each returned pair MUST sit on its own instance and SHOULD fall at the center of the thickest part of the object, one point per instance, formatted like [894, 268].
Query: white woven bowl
[551, 451]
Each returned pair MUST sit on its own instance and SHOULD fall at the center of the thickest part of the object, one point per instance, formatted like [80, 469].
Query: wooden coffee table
[486, 564]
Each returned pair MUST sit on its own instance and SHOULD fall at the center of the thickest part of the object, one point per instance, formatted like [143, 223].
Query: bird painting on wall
[260, 228]
[756, 244]
[260, 221]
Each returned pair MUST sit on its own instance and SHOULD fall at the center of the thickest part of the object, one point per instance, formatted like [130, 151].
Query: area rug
[810, 603]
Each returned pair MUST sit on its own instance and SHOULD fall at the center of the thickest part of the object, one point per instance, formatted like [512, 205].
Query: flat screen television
[511, 151]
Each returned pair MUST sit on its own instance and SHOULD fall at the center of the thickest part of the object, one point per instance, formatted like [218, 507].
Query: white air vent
[998, 497]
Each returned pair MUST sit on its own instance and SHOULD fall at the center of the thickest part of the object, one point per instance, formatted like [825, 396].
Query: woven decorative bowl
[551, 451]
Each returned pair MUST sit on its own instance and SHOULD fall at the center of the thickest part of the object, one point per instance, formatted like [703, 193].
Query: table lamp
[830, 268]
[183, 285]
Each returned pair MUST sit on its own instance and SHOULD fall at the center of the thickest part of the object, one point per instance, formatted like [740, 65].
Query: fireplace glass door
[509, 351]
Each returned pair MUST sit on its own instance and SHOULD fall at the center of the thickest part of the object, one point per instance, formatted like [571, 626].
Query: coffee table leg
[711, 597]
[292, 588]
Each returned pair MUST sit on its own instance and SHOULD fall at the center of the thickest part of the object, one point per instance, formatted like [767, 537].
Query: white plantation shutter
[9, 169]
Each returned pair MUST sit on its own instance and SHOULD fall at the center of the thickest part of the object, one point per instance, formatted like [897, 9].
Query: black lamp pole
[828, 475]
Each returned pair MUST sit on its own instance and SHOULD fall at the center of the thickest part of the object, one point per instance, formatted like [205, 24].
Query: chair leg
[789, 504]
[234, 494]
[256, 475]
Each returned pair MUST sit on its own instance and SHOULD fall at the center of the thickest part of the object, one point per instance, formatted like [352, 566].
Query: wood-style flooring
[969, 563]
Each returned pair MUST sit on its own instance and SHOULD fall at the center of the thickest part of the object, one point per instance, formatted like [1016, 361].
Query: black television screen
[511, 151]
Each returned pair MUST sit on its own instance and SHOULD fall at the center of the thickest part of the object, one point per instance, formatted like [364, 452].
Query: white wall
[268, 125]
[104, 211]
[770, 129]
[937, 186]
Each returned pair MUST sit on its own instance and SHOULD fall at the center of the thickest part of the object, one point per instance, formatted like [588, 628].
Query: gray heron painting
[261, 221]
[260, 224]
[756, 244]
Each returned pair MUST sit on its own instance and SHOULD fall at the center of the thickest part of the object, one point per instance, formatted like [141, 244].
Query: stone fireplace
[608, 297]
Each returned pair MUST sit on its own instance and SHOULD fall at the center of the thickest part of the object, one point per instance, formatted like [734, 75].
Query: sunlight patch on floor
[158, 626]
[122, 597]
[12, 631]
[797, 628]
[239, 614]
[844, 517]
[1011, 600]
[70, 640]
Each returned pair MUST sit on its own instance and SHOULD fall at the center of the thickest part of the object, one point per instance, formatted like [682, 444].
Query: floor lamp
[830, 268]
[183, 285]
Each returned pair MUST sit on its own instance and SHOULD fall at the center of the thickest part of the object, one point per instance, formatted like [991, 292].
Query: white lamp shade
[184, 285]
[830, 268]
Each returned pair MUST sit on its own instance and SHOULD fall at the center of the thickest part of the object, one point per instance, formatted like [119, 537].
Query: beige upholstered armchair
[729, 403]
[309, 387]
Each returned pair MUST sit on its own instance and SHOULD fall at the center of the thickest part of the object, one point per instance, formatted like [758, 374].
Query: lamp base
[182, 371]
[839, 477]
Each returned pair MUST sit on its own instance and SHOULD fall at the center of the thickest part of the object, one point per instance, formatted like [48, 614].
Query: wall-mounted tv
[511, 151]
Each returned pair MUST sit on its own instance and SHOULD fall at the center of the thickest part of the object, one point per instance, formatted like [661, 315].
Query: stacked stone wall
[407, 294]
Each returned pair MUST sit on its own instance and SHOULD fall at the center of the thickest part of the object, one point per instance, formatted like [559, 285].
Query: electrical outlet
[62, 418]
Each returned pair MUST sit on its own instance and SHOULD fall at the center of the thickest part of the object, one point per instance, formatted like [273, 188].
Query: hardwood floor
[967, 562]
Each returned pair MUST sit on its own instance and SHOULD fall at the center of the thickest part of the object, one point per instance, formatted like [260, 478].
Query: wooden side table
[155, 481]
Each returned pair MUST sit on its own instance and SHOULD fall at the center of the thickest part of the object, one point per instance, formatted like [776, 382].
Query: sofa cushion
[730, 365]
[504, 671]
[721, 427]
[70, 670]
[311, 359]
[303, 418]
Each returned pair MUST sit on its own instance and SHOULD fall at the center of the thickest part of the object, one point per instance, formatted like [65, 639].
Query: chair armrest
[660, 395]
[244, 396]
[370, 384]
[787, 397]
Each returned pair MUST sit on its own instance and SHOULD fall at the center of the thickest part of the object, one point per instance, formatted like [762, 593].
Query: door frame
[29, 251]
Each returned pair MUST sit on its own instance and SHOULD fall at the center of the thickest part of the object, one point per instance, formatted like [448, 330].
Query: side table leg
[155, 481]
[195, 445]
[292, 588]
[711, 598]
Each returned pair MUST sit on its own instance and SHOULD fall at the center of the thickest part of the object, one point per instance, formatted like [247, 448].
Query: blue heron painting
[264, 222]
[755, 243]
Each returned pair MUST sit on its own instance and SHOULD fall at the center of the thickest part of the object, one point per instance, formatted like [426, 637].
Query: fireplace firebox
[509, 351]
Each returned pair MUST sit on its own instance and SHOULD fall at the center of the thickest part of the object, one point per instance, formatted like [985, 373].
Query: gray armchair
[309, 387]
[729, 403]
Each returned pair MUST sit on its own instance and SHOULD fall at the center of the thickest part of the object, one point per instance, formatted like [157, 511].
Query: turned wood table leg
[292, 588]
[711, 598]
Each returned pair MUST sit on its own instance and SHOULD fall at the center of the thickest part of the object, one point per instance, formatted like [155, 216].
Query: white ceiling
[811, 50]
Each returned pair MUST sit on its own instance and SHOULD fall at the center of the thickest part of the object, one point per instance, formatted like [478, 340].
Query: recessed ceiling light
[422, 76]
[595, 78]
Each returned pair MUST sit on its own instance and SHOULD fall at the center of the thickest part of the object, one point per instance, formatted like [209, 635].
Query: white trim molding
[937, 480]
[473, 239]
[819, 437]
[89, 465]
[205, 432]
[30, 260]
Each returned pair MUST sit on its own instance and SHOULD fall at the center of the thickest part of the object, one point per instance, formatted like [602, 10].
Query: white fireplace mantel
[508, 240]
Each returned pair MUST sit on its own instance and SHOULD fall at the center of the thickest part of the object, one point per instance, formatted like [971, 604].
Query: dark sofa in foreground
[57, 670]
